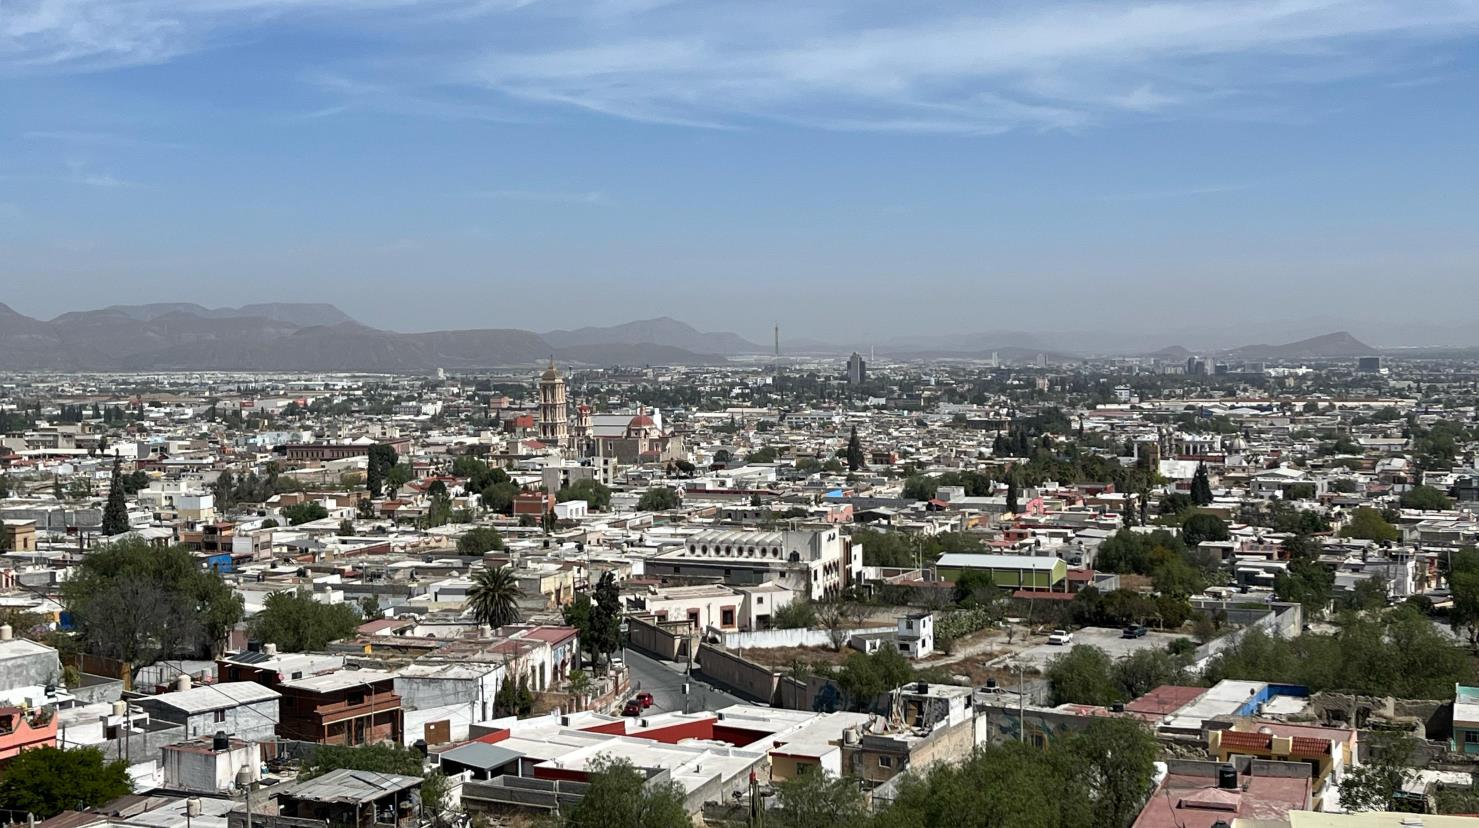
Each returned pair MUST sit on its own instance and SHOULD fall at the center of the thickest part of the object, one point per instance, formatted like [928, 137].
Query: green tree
[596, 495]
[494, 598]
[1203, 527]
[1115, 759]
[513, 697]
[659, 499]
[479, 540]
[1144, 670]
[1201, 486]
[764, 454]
[1083, 675]
[1174, 576]
[46, 781]
[1385, 769]
[799, 614]
[855, 458]
[817, 800]
[1425, 498]
[382, 459]
[296, 623]
[1307, 582]
[1012, 505]
[134, 602]
[397, 476]
[620, 796]
[604, 629]
[115, 513]
[308, 510]
[381, 757]
[1368, 524]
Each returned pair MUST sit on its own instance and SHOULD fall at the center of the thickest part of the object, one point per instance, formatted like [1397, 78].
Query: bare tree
[838, 617]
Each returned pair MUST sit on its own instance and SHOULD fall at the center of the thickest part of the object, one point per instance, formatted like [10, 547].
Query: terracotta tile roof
[1309, 746]
[1240, 739]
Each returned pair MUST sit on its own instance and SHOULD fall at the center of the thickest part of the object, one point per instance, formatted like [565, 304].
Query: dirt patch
[783, 658]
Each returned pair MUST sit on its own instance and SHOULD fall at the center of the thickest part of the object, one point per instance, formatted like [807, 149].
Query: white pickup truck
[1061, 637]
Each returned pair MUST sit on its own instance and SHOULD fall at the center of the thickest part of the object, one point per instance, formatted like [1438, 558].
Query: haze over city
[1243, 171]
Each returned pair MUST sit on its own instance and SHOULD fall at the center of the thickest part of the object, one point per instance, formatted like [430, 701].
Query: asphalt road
[665, 682]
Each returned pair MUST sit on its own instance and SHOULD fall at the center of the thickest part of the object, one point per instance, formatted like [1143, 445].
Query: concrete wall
[763, 639]
[657, 640]
[1280, 621]
[739, 675]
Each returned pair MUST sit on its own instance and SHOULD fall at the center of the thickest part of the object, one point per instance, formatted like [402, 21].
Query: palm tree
[495, 597]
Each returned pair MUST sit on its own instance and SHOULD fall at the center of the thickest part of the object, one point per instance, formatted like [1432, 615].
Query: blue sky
[844, 168]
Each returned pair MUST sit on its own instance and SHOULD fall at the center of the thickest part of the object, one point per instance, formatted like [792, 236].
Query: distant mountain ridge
[663, 330]
[286, 337]
[302, 314]
[1328, 346]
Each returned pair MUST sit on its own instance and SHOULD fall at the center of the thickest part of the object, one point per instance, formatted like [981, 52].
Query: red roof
[1165, 699]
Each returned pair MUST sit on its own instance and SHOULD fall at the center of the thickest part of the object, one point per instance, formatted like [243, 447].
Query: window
[903, 648]
[1038, 741]
[726, 617]
[885, 761]
[760, 601]
[1471, 737]
[219, 716]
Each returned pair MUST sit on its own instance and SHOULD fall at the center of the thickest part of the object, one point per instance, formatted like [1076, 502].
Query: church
[629, 437]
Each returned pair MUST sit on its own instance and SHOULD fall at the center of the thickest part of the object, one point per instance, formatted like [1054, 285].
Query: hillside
[663, 331]
[186, 337]
[1329, 346]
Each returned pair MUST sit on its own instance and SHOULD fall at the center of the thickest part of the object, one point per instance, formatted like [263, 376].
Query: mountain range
[307, 337]
[286, 336]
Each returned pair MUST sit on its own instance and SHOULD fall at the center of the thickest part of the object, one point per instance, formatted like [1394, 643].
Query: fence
[766, 639]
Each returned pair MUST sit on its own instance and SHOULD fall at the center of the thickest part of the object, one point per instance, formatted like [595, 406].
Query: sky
[849, 169]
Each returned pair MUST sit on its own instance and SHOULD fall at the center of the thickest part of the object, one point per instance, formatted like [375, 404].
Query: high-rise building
[554, 426]
[1369, 365]
[857, 369]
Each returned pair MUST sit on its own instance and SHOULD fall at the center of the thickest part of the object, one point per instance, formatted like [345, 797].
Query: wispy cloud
[546, 196]
[80, 173]
[954, 67]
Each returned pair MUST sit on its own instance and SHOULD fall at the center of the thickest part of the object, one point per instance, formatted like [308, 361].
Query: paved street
[665, 682]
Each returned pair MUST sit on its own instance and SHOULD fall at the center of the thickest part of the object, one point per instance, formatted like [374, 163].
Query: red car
[645, 698]
[631, 708]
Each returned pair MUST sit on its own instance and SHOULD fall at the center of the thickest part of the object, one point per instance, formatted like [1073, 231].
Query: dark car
[631, 708]
[1134, 631]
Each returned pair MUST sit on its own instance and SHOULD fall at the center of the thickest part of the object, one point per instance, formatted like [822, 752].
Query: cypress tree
[115, 514]
[854, 451]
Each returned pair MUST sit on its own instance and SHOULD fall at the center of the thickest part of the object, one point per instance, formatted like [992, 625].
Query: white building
[917, 634]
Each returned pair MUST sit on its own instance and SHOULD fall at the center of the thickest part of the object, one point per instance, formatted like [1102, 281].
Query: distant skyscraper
[857, 369]
[554, 426]
[1369, 365]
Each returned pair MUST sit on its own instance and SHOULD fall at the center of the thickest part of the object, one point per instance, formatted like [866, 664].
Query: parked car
[631, 708]
[645, 698]
[1060, 637]
[1134, 631]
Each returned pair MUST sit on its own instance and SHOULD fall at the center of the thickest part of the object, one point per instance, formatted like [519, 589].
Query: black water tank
[220, 742]
[1227, 777]
[1116, 708]
[990, 684]
[420, 747]
[922, 687]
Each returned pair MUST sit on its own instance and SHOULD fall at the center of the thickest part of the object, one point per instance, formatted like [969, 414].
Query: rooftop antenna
[775, 377]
